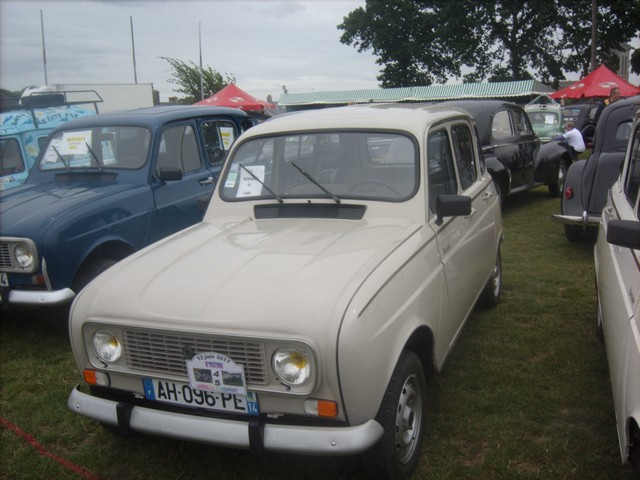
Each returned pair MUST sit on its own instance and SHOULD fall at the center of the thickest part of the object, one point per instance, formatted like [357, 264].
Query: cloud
[264, 44]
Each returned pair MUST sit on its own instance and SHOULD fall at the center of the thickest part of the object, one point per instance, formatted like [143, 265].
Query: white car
[340, 256]
[617, 262]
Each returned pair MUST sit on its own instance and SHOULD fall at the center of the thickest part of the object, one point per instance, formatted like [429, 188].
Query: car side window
[632, 182]
[440, 168]
[218, 136]
[465, 159]
[501, 126]
[522, 123]
[11, 160]
[178, 150]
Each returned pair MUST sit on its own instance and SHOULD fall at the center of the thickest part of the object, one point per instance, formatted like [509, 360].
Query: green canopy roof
[520, 88]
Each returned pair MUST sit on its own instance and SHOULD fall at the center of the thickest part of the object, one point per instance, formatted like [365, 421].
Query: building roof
[418, 94]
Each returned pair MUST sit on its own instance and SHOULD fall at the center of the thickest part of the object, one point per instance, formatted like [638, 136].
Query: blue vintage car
[104, 187]
[24, 129]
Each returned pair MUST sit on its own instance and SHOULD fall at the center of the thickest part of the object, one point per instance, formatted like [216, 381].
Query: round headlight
[107, 346]
[24, 255]
[291, 365]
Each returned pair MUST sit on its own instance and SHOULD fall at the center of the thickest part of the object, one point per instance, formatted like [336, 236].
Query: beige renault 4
[337, 262]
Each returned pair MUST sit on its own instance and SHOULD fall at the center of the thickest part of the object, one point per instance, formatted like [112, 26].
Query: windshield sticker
[251, 179]
[228, 137]
[75, 143]
[215, 372]
[231, 180]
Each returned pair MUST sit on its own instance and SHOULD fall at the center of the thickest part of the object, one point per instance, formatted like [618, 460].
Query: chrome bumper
[585, 220]
[38, 297]
[229, 433]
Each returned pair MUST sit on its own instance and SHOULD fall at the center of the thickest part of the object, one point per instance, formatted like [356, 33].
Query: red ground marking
[46, 453]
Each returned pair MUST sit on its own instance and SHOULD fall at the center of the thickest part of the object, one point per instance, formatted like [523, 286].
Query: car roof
[412, 117]
[482, 111]
[152, 116]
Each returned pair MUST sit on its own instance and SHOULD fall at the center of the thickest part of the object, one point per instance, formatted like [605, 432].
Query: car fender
[74, 237]
[398, 299]
[499, 172]
[573, 205]
[549, 158]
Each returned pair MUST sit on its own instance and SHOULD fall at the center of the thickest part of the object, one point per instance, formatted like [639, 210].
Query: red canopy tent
[597, 84]
[232, 96]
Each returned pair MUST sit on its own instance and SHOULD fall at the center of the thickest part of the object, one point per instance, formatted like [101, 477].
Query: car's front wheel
[491, 293]
[555, 188]
[401, 414]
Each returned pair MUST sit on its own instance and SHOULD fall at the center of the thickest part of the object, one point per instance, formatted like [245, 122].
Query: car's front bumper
[252, 434]
[36, 297]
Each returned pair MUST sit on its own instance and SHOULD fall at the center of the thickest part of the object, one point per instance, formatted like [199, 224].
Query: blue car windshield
[335, 165]
[109, 147]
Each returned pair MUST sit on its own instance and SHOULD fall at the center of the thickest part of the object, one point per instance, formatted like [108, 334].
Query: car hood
[29, 209]
[271, 276]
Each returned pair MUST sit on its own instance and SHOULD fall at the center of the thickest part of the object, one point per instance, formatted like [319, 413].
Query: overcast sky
[264, 44]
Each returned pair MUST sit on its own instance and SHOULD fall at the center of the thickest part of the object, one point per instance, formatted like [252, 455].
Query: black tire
[634, 450]
[556, 187]
[577, 235]
[490, 295]
[91, 270]
[402, 415]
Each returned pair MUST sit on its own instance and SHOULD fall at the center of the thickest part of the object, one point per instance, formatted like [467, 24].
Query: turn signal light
[321, 408]
[96, 378]
[568, 193]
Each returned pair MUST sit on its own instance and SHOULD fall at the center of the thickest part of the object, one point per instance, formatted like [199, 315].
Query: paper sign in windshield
[75, 143]
[250, 181]
[228, 137]
[215, 372]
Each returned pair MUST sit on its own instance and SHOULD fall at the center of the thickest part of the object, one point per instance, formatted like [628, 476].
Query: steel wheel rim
[408, 418]
[496, 278]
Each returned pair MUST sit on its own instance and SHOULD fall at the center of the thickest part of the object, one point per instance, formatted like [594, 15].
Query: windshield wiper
[95, 157]
[276, 196]
[64, 162]
[316, 183]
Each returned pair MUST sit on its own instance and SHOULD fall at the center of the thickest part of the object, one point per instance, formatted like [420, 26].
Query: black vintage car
[512, 151]
[583, 117]
[588, 181]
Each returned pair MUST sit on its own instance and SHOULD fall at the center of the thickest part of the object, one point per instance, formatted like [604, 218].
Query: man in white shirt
[574, 138]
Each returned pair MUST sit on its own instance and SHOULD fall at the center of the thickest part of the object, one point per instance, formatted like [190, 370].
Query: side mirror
[448, 205]
[624, 233]
[170, 174]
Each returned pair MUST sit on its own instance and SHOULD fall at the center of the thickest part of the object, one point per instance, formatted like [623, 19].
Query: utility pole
[133, 50]
[44, 50]
[201, 79]
[594, 32]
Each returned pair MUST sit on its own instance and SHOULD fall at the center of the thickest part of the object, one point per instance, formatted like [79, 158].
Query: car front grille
[6, 260]
[162, 353]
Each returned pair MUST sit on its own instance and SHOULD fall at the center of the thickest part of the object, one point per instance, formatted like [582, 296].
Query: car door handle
[207, 181]
[472, 213]
[487, 195]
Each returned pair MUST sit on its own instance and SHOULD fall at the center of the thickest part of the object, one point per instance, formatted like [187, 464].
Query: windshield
[340, 165]
[544, 118]
[101, 147]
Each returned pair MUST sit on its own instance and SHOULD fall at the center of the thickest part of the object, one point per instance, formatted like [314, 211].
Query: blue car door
[184, 178]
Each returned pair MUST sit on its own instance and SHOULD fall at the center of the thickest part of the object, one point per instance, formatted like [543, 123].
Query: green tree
[617, 23]
[419, 42]
[187, 78]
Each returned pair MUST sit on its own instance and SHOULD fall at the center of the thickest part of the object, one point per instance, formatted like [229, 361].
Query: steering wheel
[375, 182]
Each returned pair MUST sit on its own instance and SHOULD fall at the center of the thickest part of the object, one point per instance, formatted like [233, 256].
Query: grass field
[524, 395]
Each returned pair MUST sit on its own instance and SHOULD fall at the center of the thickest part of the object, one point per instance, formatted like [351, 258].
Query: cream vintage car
[617, 262]
[341, 254]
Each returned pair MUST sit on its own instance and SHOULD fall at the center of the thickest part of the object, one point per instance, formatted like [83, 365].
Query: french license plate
[182, 394]
[4, 280]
